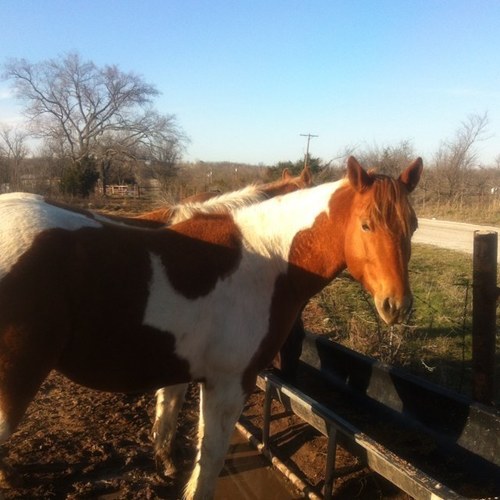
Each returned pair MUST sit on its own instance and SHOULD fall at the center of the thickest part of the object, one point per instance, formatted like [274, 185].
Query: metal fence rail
[466, 431]
[377, 457]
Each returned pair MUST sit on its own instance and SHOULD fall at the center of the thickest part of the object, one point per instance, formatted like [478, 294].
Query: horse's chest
[221, 329]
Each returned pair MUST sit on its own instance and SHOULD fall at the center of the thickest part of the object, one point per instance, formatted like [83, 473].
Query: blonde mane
[219, 204]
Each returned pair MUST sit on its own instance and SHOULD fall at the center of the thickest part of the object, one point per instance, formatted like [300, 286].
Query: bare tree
[389, 160]
[85, 111]
[456, 157]
[13, 150]
[497, 162]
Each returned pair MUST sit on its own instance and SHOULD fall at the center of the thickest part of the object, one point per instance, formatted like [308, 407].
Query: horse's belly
[125, 361]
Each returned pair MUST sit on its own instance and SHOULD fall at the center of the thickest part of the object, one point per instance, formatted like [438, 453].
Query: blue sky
[246, 78]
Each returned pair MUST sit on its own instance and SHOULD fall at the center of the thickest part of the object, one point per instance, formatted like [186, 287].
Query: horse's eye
[365, 226]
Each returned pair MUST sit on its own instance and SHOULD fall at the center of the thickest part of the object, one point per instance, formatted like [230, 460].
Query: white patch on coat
[208, 327]
[23, 216]
[224, 328]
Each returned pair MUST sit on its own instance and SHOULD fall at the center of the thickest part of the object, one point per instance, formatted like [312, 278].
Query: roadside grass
[480, 212]
[435, 342]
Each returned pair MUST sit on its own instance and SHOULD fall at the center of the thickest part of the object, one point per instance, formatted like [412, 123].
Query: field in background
[484, 210]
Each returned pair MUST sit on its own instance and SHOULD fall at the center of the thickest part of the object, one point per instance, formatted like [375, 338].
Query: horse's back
[24, 217]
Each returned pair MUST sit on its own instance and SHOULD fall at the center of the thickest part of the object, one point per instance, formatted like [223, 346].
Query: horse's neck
[271, 228]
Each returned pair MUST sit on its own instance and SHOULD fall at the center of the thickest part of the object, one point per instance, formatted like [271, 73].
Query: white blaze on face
[23, 217]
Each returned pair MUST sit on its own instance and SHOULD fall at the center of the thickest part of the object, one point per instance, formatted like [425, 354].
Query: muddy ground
[79, 443]
[76, 443]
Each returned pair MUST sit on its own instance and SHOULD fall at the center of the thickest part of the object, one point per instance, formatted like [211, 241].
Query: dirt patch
[77, 443]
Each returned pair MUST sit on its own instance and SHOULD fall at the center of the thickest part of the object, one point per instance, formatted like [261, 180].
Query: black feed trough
[430, 442]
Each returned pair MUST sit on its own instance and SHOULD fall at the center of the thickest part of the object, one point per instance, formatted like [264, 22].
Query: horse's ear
[357, 176]
[306, 176]
[286, 174]
[411, 175]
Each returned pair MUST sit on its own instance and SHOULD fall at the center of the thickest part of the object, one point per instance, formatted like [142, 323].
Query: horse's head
[378, 236]
[288, 183]
[301, 181]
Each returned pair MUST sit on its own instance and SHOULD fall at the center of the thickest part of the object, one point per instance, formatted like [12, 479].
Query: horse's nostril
[385, 305]
[395, 311]
[389, 305]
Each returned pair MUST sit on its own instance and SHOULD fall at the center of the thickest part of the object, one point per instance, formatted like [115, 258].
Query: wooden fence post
[484, 297]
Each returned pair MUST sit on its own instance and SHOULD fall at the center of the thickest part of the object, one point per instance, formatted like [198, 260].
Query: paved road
[452, 235]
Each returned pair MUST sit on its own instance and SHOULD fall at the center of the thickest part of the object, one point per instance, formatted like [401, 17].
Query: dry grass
[484, 211]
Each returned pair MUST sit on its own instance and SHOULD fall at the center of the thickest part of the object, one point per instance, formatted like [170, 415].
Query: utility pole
[306, 157]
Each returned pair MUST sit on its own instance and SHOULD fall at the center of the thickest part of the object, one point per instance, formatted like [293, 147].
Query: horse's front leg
[169, 401]
[221, 402]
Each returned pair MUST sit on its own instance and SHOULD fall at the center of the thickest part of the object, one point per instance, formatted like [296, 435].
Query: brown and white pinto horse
[211, 299]
[169, 400]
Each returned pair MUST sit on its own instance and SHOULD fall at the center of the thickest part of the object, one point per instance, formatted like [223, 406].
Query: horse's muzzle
[392, 310]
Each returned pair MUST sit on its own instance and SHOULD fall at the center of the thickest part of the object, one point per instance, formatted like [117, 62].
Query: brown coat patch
[75, 301]
[316, 257]
[201, 251]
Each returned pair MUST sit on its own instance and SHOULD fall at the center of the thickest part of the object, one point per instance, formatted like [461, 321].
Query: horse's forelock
[389, 205]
